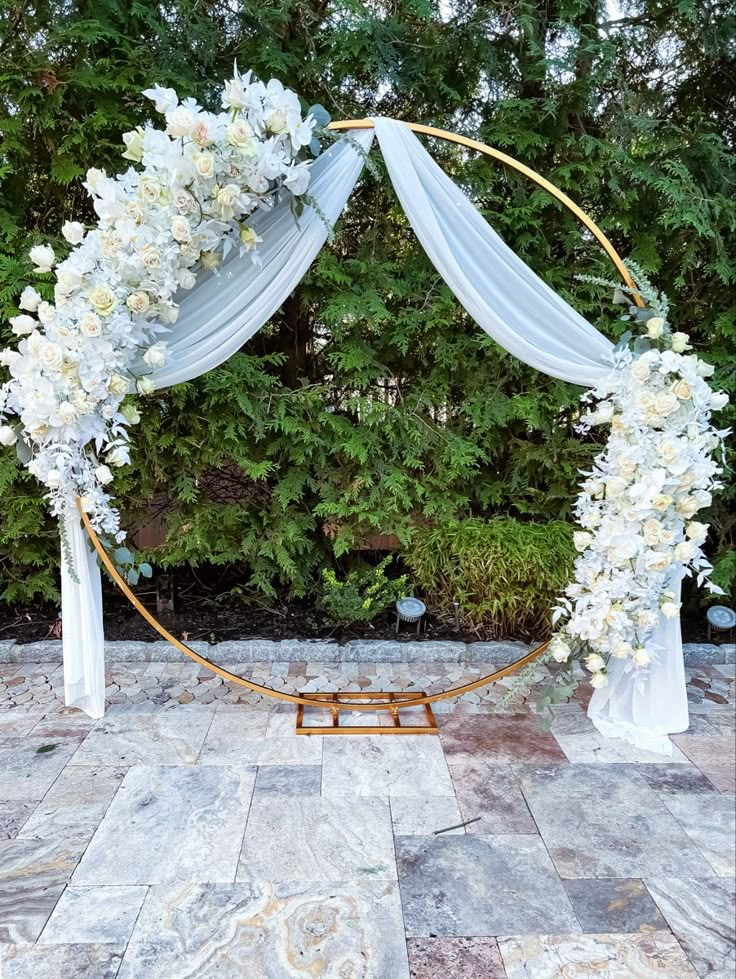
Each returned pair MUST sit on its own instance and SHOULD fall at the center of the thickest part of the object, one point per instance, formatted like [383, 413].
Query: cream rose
[682, 389]
[201, 133]
[180, 228]
[621, 650]
[679, 342]
[180, 122]
[149, 189]
[117, 384]
[134, 144]
[641, 657]
[669, 609]
[688, 507]
[205, 165]
[582, 540]
[50, 355]
[144, 385]
[239, 133]
[103, 299]
[138, 303]
[666, 403]
[249, 239]
[118, 456]
[640, 371]
[150, 257]
[657, 561]
[595, 663]
[91, 325]
[560, 650]
[661, 502]
[650, 531]
[155, 356]
[599, 680]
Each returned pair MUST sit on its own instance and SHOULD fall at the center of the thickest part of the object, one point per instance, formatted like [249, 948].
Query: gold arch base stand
[391, 702]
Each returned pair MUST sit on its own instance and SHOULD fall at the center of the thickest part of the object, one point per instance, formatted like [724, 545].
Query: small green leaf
[45, 748]
[320, 115]
[122, 555]
[132, 577]
[146, 570]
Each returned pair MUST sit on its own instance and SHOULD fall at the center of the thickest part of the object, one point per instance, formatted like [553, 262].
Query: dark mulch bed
[205, 609]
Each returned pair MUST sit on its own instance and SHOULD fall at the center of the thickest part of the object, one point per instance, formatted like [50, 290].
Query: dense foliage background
[370, 403]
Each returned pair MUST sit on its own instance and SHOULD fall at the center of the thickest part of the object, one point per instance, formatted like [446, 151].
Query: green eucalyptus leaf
[132, 576]
[146, 570]
[122, 555]
[320, 115]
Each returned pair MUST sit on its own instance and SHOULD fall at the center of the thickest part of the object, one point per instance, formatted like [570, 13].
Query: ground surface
[188, 834]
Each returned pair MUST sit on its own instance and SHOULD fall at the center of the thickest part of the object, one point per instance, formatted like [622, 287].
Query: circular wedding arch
[393, 705]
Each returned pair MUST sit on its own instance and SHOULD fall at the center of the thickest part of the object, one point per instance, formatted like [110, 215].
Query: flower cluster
[116, 295]
[638, 506]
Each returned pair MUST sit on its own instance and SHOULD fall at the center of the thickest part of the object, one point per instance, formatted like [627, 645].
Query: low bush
[504, 573]
[362, 595]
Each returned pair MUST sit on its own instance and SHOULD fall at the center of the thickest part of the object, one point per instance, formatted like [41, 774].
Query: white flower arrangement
[638, 504]
[186, 203]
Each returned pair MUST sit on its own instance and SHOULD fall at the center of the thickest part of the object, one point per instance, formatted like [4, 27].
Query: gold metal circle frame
[394, 702]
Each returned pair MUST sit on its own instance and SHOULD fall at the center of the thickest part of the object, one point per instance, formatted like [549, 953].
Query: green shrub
[504, 573]
[362, 595]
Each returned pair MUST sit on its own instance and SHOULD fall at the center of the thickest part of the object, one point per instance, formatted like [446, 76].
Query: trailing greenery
[504, 574]
[361, 595]
[371, 403]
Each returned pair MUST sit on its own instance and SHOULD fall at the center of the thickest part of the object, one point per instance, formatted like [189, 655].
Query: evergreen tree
[371, 402]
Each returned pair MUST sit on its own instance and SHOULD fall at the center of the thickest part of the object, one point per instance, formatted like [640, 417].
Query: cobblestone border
[291, 650]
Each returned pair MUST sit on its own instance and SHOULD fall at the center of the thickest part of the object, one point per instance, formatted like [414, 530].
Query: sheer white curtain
[529, 319]
[509, 301]
[217, 317]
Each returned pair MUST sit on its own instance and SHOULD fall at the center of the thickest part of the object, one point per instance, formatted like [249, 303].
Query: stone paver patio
[191, 833]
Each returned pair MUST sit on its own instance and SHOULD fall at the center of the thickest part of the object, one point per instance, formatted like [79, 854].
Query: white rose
[718, 400]
[668, 451]
[650, 531]
[134, 144]
[621, 650]
[226, 198]
[599, 680]
[149, 189]
[67, 413]
[581, 540]
[91, 325]
[103, 299]
[688, 507]
[187, 279]
[145, 385]
[615, 486]
[117, 384]
[184, 202]
[656, 561]
[118, 456]
[276, 122]
[685, 551]
[155, 356]
[666, 536]
[53, 478]
[73, 231]
[697, 531]
[180, 228]
[641, 657]
[23, 324]
[234, 96]
[682, 389]
[130, 413]
[661, 502]
[603, 413]
[7, 435]
[180, 122]
[655, 327]
[560, 650]
[103, 474]
[134, 210]
[29, 299]
[50, 355]
[640, 371]
[205, 165]
[666, 403]
[239, 133]
[669, 609]
[138, 303]
[43, 258]
[595, 663]
[150, 257]
[680, 342]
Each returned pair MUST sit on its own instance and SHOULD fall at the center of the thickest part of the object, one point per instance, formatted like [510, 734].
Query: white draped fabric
[502, 294]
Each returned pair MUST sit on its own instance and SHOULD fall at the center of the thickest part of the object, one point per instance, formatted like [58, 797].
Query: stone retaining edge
[319, 651]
